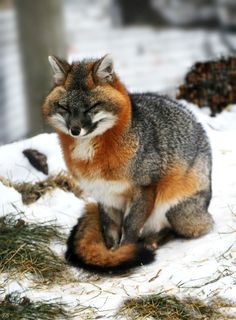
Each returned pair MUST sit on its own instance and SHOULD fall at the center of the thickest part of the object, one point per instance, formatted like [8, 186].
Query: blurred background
[153, 42]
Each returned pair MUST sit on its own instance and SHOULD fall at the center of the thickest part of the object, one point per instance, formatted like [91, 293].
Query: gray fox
[144, 158]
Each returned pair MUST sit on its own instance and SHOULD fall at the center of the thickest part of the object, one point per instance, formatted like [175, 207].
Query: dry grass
[21, 308]
[31, 192]
[25, 248]
[169, 307]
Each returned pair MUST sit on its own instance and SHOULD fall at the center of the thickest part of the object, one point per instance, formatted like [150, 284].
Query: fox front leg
[111, 220]
[136, 215]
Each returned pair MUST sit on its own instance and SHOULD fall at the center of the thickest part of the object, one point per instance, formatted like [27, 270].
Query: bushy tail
[86, 247]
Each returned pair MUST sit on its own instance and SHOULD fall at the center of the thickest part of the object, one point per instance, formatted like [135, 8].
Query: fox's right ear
[60, 68]
[104, 68]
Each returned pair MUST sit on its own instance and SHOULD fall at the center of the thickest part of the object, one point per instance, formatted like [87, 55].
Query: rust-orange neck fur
[112, 149]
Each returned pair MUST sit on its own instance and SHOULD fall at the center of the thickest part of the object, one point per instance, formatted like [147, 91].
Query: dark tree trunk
[41, 33]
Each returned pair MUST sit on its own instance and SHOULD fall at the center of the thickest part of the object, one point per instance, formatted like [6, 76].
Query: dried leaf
[37, 159]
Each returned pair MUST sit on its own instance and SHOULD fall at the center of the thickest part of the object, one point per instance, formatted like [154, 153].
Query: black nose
[75, 131]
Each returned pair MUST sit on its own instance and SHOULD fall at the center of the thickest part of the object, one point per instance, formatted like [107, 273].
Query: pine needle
[25, 248]
[21, 308]
[170, 307]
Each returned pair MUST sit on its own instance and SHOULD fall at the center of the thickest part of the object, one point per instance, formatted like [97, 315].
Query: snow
[200, 267]
[147, 60]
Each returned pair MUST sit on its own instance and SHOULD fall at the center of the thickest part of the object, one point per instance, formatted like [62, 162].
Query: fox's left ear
[60, 68]
[104, 68]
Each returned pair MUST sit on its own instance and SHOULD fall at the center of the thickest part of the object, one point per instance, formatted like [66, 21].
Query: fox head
[87, 98]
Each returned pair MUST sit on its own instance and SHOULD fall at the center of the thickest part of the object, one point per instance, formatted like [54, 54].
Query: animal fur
[144, 158]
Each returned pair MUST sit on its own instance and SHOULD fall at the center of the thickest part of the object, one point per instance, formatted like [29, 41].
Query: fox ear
[60, 68]
[104, 69]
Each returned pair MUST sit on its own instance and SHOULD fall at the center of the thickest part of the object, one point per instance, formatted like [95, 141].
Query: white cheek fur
[108, 121]
[58, 122]
[102, 115]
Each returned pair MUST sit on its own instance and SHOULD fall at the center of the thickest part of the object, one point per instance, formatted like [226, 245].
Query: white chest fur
[110, 193]
[83, 150]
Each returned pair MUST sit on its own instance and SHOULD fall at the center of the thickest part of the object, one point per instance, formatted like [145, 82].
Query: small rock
[37, 159]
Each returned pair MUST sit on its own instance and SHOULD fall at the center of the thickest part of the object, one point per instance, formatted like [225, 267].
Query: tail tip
[141, 256]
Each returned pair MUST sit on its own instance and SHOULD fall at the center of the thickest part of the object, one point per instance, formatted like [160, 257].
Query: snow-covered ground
[153, 60]
[146, 60]
[201, 267]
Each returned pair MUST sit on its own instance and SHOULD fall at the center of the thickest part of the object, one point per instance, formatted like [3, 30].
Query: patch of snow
[201, 267]
[16, 167]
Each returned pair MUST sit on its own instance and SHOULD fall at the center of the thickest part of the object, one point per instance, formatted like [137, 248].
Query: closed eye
[94, 106]
[62, 108]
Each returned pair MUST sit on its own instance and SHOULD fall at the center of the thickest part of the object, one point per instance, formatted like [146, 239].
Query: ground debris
[37, 159]
[170, 307]
[31, 192]
[25, 248]
[210, 83]
[17, 307]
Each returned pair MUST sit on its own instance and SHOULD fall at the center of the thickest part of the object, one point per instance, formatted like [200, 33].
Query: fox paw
[151, 244]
